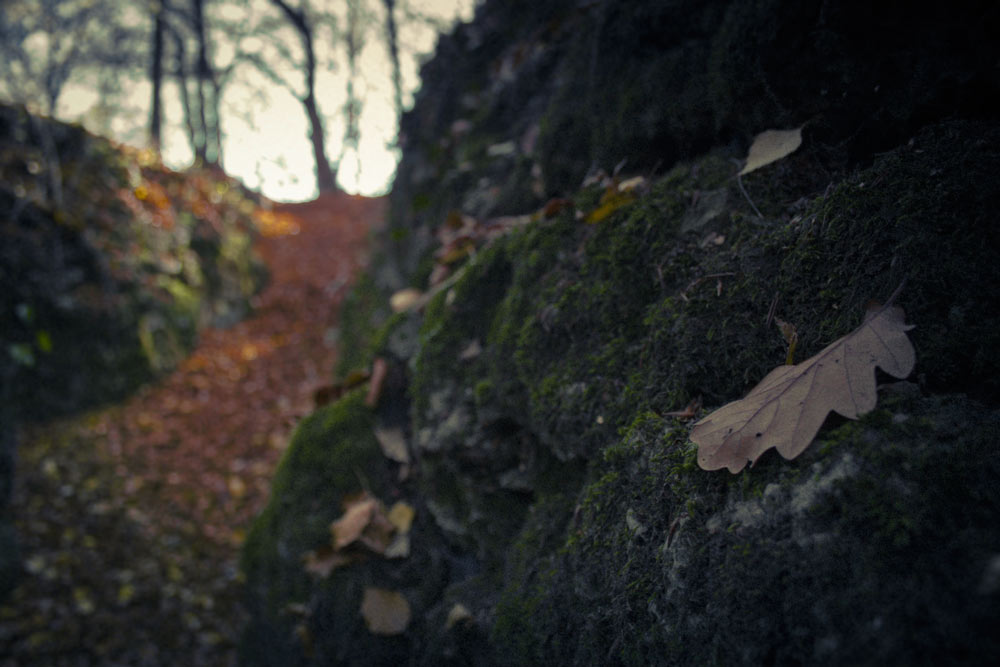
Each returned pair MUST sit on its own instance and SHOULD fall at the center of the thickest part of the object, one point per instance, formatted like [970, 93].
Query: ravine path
[130, 517]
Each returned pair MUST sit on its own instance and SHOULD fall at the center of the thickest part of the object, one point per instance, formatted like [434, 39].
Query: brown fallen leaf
[377, 535]
[348, 528]
[385, 612]
[393, 444]
[787, 407]
[325, 560]
[555, 206]
[770, 146]
[404, 298]
[364, 521]
[689, 412]
[379, 370]
[791, 336]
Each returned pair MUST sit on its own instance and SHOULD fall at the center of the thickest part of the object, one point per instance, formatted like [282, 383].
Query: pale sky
[265, 142]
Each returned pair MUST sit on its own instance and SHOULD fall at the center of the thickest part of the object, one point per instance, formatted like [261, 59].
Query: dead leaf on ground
[611, 201]
[787, 408]
[398, 548]
[458, 614]
[770, 146]
[385, 612]
[348, 528]
[470, 351]
[555, 206]
[689, 412]
[379, 370]
[634, 183]
[401, 516]
[404, 299]
[393, 444]
[325, 560]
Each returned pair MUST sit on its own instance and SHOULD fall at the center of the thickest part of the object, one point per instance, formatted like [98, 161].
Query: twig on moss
[698, 281]
[739, 181]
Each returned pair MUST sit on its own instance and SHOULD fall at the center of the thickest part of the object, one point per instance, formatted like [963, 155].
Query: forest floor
[130, 517]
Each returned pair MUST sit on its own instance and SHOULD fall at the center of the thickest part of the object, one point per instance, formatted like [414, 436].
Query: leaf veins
[787, 407]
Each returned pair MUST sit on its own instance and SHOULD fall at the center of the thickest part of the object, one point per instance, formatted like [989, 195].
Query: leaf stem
[739, 181]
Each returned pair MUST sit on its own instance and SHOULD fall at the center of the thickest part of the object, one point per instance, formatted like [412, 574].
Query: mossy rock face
[10, 562]
[570, 88]
[848, 555]
[549, 483]
[577, 525]
[298, 618]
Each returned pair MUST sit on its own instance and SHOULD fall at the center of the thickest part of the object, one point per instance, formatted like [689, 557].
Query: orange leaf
[379, 370]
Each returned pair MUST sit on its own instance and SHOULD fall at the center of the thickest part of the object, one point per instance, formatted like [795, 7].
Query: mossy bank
[109, 264]
[562, 517]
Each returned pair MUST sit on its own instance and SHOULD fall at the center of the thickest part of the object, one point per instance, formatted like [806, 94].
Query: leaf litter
[130, 518]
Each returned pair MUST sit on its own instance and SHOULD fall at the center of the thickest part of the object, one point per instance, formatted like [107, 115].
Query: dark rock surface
[561, 514]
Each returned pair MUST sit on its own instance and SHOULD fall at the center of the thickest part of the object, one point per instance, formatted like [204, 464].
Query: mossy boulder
[878, 545]
[109, 266]
[519, 105]
[545, 461]
[300, 618]
[109, 263]
[540, 379]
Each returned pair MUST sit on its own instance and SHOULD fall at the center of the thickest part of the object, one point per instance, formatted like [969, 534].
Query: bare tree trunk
[326, 174]
[156, 77]
[180, 73]
[352, 107]
[204, 154]
[392, 41]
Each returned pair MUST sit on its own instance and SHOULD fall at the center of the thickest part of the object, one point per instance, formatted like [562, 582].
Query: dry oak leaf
[349, 527]
[385, 612]
[770, 146]
[324, 560]
[364, 522]
[392, 442]
[787, 407]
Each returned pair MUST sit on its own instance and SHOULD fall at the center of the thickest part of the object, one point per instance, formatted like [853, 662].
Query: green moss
[333, 453]
[362, 317]
[484, 392]
[889, 496]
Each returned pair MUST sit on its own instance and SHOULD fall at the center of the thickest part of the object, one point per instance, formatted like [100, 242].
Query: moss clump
[106, 274]
[333, 453]
[576, 524]
[616, 322]
[364, 312]
[837, 556]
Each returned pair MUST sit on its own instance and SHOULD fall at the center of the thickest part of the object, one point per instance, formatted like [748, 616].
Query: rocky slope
[571, 312]
[109, 266]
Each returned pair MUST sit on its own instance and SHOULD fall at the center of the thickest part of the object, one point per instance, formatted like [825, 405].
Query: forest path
[130, 518]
